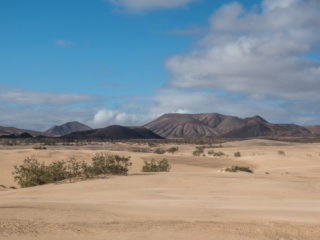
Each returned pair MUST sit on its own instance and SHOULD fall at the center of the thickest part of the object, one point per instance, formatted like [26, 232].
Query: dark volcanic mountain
[218, 125]
[114, 132]
[15, 132]
[67, 128]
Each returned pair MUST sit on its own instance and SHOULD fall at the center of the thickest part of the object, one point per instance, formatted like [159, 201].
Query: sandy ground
[196, 200]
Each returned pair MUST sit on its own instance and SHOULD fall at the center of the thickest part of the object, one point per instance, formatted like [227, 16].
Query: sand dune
[196, 200]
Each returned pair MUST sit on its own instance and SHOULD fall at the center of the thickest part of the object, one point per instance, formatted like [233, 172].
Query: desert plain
[197, 199]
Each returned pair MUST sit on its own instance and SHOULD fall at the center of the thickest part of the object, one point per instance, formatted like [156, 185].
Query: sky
[126, 62]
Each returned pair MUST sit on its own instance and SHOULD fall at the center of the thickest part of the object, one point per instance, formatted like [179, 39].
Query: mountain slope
[67, 128]
[314, 129]
[114, 132]
[218, 125]
[16, 131]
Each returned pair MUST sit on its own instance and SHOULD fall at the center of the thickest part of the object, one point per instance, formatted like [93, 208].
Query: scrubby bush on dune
[215, 154]
[239, 168]
[237, 154]
[156, 166]
[198, 151]
[103, 163]
[173, 150]
[159, 151]
[39, 147]
[281, 152]
[33, 173]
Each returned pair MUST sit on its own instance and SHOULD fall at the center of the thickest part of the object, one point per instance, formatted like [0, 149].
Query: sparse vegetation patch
[237, 154]
[239, 168]
[39, 147]
[33, 173]
[173, 150]
[156, 166]
[198, 151]
[159, 151]
[215, 154]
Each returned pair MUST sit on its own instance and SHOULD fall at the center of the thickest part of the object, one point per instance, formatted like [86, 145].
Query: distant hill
[15, 132]
[114, 132]
[218, 125]
[314, 129]
[67, 128]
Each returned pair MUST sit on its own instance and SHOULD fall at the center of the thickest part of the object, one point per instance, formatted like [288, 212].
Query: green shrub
[103, 163]
[156, 166]
[173, 150]
[198, 151]
[159, 151]
[33, 173]
[281, 152]
[215, 154]
[237, 154]
[239, 168]
[39, 147]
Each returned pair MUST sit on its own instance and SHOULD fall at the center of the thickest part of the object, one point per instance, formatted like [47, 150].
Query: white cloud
[141, 5]
[256, 53]
[105, 117]
[270, 5]
[180, 101]
[41, 119]
[42, 98]
[39, 110]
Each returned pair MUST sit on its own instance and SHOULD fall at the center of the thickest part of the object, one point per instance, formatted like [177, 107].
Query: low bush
[215, 154]
[198, 151]
[9, 142]
[159, 151]
[281, 152]
[156, 166]
[103, 163]
[39, 147]
[173, 150]
[237, 154]
[33, 173]
[239, 168]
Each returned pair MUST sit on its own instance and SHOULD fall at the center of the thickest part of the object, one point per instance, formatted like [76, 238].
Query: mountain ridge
[215, 125]
[114, 132]
[67, 128]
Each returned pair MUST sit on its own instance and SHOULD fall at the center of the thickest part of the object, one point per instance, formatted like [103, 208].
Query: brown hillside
[218, 125]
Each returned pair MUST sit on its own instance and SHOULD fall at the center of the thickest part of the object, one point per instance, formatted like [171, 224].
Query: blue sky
[128, 61]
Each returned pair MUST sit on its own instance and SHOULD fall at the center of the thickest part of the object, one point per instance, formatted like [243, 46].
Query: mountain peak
[68, 128]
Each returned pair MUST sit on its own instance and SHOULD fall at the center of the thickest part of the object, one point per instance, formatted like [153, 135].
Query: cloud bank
[259, 54]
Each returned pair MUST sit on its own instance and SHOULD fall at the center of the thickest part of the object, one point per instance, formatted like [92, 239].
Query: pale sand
[196, 200]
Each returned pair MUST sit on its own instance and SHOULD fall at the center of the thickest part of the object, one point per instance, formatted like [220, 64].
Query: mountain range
[173, 125]
[214, 125]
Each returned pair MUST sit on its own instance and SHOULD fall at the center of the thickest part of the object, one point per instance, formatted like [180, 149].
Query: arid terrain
[197, 199]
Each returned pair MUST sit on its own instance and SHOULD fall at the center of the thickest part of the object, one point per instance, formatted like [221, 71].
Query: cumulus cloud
[105, 117]
[41, 119]
[141, 5]
[39, 110]
[256, 53]
[197, 101]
